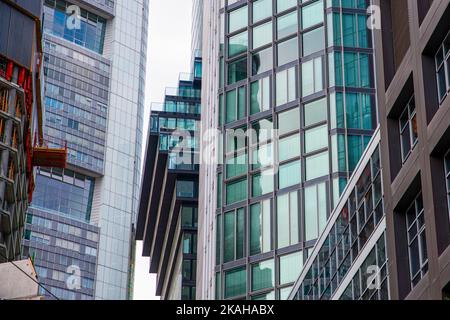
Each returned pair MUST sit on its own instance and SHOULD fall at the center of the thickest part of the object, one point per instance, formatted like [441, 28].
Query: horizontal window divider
[261, 257]
[229, 266]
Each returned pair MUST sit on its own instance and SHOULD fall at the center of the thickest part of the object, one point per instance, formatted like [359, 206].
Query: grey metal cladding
[16, 35]
[33, 6]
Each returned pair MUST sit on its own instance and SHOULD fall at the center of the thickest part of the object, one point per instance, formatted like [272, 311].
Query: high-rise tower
[289, 85]
[82, 218]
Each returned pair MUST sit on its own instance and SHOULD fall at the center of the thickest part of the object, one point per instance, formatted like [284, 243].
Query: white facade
[115, 199]
[208, 182]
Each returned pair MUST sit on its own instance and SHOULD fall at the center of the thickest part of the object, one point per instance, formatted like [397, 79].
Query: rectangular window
[262, 183]
[408, 129]
[261, 10]
[290, 267]
[263, 275]
[312, 77]
[313, 41]
[316, 112]
[288, 220]
[260, 95]
[317, 166]
[236, 165]
[236, 191]
[287, 24]
[262, 61]
[262, 131]
[234, 236]
[285, 4]
[235, 107]
[238, 44]
[262, 156]
[235, 283]
[289, 174]
[262, 35]
[417, 243]
[238, 19]
[286, 86]
[287, 51]
[288, 121]
[312, 14]
[260, 227]
[316, 138]
[315, 210]
[442, 62]
[237, 70]
[289, 148]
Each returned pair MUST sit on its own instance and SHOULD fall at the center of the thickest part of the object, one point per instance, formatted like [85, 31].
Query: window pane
[287, 24]
[260, 95]
[260, 235]
[236, 166]
[262, 35]
[229, 236]
[313, 41]
[240, 233]
[262, 131]
[235, 283]
[238, 19]
[315, 210]
[287, 51]
[289, 121]
[290, 267]
[238, 44]
[262, 156]
[289, 148]
[236, 191]
[316, 138]
[312, 14]
[285, 86]
[231, 106]
[316, 112]
[285, 4]
[262, 9]
[289, 174]
[262, 61]
[263, 275]
[262, 183]
[283, 221]
[317, 166]
[237, 71]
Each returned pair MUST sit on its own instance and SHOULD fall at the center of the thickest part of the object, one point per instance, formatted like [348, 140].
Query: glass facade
[296, 76]
[352, 242]
[57, 21]
[66, 192]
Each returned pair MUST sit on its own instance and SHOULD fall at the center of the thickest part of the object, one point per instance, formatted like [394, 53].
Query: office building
[290, 87]
[406, 235]
[82, 217]
[168, 211]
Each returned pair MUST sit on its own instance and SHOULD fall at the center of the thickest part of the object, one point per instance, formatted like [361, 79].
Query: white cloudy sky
[168, 55]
